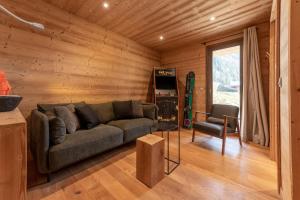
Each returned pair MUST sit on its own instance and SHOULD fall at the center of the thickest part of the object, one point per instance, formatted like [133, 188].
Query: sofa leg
[193, 138]
[48, 177]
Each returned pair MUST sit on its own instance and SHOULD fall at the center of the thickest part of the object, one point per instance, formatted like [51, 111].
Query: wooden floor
[245, 173]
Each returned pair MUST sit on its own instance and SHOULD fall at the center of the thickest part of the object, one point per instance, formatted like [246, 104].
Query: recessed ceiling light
[212, 18]
[105, 5]
[161, 38]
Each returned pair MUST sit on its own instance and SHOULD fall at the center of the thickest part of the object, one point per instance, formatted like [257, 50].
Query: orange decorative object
[4, 85]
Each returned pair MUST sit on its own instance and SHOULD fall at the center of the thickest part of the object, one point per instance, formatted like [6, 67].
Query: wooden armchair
[222, 120]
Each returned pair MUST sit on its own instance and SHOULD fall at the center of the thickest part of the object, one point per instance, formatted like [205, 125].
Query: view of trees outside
[226, 76]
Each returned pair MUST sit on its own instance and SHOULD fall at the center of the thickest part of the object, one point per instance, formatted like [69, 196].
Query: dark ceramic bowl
[9, 102]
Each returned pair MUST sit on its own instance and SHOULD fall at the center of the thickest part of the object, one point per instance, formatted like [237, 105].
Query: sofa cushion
[137, 109]
[123, 109]
[71, 107]
[149, 111]
[104, 111]
[57, 130]
[83, 144]
[70, 118]
[87, 116]
[211, 129]
[133, 128]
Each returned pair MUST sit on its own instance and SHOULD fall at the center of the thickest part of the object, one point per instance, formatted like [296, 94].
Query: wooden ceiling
[179, 21]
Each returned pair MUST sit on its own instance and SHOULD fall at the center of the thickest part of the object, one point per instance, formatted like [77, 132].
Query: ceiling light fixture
[105, 5]
[212, 18]
[161, 38]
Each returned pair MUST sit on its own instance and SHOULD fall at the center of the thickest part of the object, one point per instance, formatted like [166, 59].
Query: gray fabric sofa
[85, 143]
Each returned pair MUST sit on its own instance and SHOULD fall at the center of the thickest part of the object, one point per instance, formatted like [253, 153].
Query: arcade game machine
[166, 95]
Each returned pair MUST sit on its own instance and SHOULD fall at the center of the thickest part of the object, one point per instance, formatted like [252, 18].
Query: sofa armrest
[150, 111]
[39, 140]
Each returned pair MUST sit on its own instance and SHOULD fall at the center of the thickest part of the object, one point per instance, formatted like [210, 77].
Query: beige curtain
[254, 124]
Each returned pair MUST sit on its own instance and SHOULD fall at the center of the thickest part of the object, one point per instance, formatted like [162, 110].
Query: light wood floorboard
[245, 173]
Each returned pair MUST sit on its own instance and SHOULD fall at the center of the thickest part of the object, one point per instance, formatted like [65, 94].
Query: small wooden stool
[150, 161]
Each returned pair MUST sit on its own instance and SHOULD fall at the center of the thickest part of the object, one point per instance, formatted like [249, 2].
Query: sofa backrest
[105, 111]
[49, 108]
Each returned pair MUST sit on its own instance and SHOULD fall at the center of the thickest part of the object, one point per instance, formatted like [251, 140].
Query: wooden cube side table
[150, 161]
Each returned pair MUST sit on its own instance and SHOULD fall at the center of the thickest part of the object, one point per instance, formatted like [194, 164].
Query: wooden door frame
[277, 53]
[274, 93]
[209, 50]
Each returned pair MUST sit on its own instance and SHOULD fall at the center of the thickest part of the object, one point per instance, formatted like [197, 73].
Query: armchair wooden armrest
[228, 116]
[226, 120]
[199, 112]
[204, 113]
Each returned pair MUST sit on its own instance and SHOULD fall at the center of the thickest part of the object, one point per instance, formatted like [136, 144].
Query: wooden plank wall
[186, 59]
[193, 58]
[72, 60]
[263, 34]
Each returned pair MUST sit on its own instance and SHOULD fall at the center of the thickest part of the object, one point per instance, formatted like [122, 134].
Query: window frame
[209, 79]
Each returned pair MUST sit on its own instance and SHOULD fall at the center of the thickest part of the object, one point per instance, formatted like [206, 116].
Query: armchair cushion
[219, 110]
[211, 128]
[215, 120]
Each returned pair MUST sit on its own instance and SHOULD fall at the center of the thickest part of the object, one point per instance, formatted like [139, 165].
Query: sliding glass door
[225, 74]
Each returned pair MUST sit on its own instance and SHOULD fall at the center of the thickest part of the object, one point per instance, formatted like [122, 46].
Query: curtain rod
[225, 38]
[231, 36]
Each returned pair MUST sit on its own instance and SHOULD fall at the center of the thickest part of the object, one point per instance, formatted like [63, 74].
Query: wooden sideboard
[13, 155]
